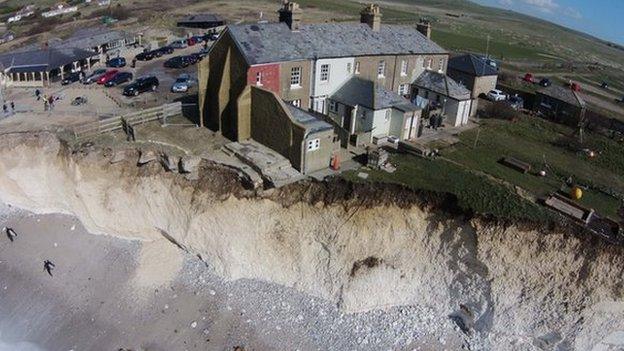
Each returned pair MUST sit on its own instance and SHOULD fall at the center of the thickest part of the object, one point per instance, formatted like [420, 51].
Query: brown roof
[564, 94]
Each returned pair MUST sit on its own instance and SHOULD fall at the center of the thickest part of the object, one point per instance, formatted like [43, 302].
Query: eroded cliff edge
[362, 246]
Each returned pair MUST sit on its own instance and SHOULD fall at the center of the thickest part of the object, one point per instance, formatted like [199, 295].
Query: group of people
[48, 265]
[48, 101]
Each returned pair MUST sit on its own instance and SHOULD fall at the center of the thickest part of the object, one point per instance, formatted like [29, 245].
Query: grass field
[485, 186]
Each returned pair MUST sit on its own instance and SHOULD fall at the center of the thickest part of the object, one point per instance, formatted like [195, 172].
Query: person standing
[11, 234]
[4, 109]
[38, 94]
[12, 107]
[48, 266]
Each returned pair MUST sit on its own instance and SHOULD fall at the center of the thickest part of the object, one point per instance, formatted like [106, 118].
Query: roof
[309, 121]
[201, 17]
[275, 42]
[42, 60]
[473, 65]
[90, 37]
[442, 84]
[366, 93]
[564, 94]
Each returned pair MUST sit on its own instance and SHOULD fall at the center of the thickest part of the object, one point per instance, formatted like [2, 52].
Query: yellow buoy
[576, 193]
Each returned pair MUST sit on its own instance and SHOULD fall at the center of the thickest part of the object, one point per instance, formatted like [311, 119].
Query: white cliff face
[522, 289]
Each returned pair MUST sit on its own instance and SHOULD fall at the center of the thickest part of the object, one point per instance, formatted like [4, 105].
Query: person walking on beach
[11, 234]
[48, 266]
[4, 109]
[38, 94]
[51, 102]
[12, 107]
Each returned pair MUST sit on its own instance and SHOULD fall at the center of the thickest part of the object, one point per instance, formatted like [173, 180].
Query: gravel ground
[93, 303]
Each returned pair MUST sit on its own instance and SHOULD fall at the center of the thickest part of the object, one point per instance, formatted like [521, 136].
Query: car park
[178, 62]
[545, 82]
[116, 62]
[145, 56]
[183, 84]
[496, 95]
[141, 85]
[119, 78]
[94, 76]
[71, 78]
[107, 76]
[179, 44]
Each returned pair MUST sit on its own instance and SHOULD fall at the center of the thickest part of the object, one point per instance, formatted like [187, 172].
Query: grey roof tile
[38, 60]
[357, 91]
[310, 122]
[275, 42]
[442, 84]
[564, 94]
[472, 65]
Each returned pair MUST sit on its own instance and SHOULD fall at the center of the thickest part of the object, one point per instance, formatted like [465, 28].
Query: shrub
[501, 110]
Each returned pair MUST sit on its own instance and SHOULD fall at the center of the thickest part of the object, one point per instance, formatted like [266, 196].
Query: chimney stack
[424, 27]
[291, 14]
[371, 15]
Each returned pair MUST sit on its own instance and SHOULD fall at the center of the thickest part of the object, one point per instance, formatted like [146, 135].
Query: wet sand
[108, 293]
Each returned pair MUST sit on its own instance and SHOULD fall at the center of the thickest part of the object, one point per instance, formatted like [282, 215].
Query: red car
[191, 41]
[529, 78]
[575, 87]
[107, 76]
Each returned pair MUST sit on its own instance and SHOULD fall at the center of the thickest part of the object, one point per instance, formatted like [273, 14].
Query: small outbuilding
[202, 20]
[560, 104]
[38, 68]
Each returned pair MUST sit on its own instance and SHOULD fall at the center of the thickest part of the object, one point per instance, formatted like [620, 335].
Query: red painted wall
[270, 76]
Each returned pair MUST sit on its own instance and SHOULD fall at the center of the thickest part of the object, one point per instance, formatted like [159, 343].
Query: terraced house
[310, 65]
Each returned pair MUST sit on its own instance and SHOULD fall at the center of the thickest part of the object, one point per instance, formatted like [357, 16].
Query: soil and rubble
[328, 265]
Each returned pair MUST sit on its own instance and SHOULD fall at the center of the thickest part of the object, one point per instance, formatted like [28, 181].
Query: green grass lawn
[497, 49]
[485, 186]
[545, 146]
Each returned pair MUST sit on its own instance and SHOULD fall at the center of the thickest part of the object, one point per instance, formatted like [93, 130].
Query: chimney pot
[371, 15]
[291, 14]
[424, 27]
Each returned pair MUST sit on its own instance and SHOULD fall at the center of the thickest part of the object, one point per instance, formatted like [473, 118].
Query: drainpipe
[312, 82]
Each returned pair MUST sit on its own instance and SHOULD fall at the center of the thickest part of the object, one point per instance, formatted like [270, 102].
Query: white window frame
[381, 69]
[357, 67]
[296, 103]
[404, 68]
[441, 63]
[259, 78]
[403, 89]
[313, 145]
[295, 77]
[324, 73]
[349, 67]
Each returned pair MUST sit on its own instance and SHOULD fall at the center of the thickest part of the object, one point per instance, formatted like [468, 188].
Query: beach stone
[171, 163]
[147, 157]
[190, 164]
[118, 156]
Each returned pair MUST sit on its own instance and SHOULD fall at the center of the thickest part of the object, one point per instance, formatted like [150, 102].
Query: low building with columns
[39, 68]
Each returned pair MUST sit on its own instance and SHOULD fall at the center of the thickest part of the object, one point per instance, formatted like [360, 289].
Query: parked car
[575, 87]
[516, 102]
[529, 78]
[116, 62]
[193, 58]
[604, 85]
[107, 76]
[145, 56]
[94, 76]
[183, 83]
[179, 44]
[165, 50]
[119, 78]
[496, 95]
[141, 85]
[545, 82]
[79, 100]
[211, 37]
[178, 62]
[191, 41]
[71, 78]
[199, 38]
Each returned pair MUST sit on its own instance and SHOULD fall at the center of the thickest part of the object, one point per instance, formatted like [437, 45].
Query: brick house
[306, 64]
[475, 73]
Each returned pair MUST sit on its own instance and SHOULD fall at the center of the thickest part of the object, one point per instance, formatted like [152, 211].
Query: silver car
[183, 84]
